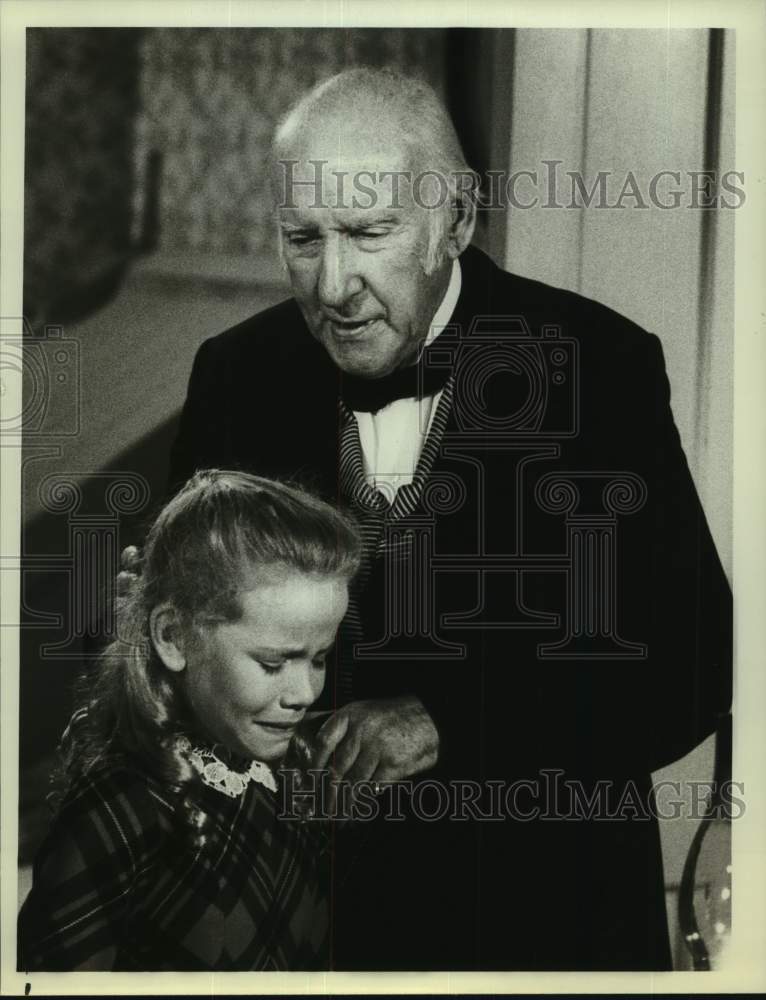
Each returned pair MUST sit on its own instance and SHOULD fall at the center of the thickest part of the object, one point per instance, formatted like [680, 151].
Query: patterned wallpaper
[209, 101]
[105, 105]
[81, 100]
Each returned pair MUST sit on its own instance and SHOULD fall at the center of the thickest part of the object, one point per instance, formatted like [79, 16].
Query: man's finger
[343, 758]
[364, 767]
[314, 717]
[125, 581]
[130, 559]
[329, 736]
[345, 755]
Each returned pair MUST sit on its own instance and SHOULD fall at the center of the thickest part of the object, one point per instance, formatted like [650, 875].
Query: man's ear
[462, 224]
[165, 630]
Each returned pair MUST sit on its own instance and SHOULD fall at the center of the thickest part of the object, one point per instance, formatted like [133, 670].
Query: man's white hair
[421, 122]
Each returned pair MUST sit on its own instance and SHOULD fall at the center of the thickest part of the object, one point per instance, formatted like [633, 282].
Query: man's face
[358, 271]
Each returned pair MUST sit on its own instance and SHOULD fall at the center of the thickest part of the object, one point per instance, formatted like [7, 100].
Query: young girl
[167, 851]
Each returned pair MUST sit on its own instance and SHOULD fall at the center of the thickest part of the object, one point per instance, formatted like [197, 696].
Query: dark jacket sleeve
[690, 686]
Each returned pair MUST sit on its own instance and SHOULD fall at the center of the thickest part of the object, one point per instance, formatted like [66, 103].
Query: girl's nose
[299, 691]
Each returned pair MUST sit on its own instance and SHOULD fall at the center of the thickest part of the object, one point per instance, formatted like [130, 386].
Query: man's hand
[130, 570]
[382, 740]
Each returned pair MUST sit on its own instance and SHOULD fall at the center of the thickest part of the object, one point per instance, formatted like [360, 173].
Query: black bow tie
[414, 381]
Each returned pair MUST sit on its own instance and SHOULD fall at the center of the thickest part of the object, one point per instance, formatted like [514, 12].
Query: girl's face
[250, 682]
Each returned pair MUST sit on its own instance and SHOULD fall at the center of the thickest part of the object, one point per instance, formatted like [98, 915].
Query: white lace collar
[217, 774]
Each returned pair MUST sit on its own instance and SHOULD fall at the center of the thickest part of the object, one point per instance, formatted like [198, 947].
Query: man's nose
[299, 692]
[339, 280]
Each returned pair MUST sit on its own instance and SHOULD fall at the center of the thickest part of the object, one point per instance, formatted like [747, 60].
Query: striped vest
[373, 511]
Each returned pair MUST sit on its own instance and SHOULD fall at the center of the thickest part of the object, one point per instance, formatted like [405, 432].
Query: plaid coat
[120, 884]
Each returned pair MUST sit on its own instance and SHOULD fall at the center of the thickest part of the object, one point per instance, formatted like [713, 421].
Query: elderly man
[541, 619]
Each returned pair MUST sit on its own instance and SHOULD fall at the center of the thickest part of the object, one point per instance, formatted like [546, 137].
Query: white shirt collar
[392, 439]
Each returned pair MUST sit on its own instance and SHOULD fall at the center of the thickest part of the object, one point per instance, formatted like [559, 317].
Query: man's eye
[372, 234]
[300, 239]
[320, 662]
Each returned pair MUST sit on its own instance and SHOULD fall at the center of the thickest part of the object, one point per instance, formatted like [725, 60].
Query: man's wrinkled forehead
[354, 166]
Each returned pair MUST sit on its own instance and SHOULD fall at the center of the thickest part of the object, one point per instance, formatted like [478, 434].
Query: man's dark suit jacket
[513, 893]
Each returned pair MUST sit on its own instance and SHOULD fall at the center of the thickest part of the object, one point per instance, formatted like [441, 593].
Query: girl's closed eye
[274, 666]
[270, 666]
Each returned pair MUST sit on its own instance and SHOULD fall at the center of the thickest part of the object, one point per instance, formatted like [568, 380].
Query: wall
[82, 96]
[210, 100]
[622, 101]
